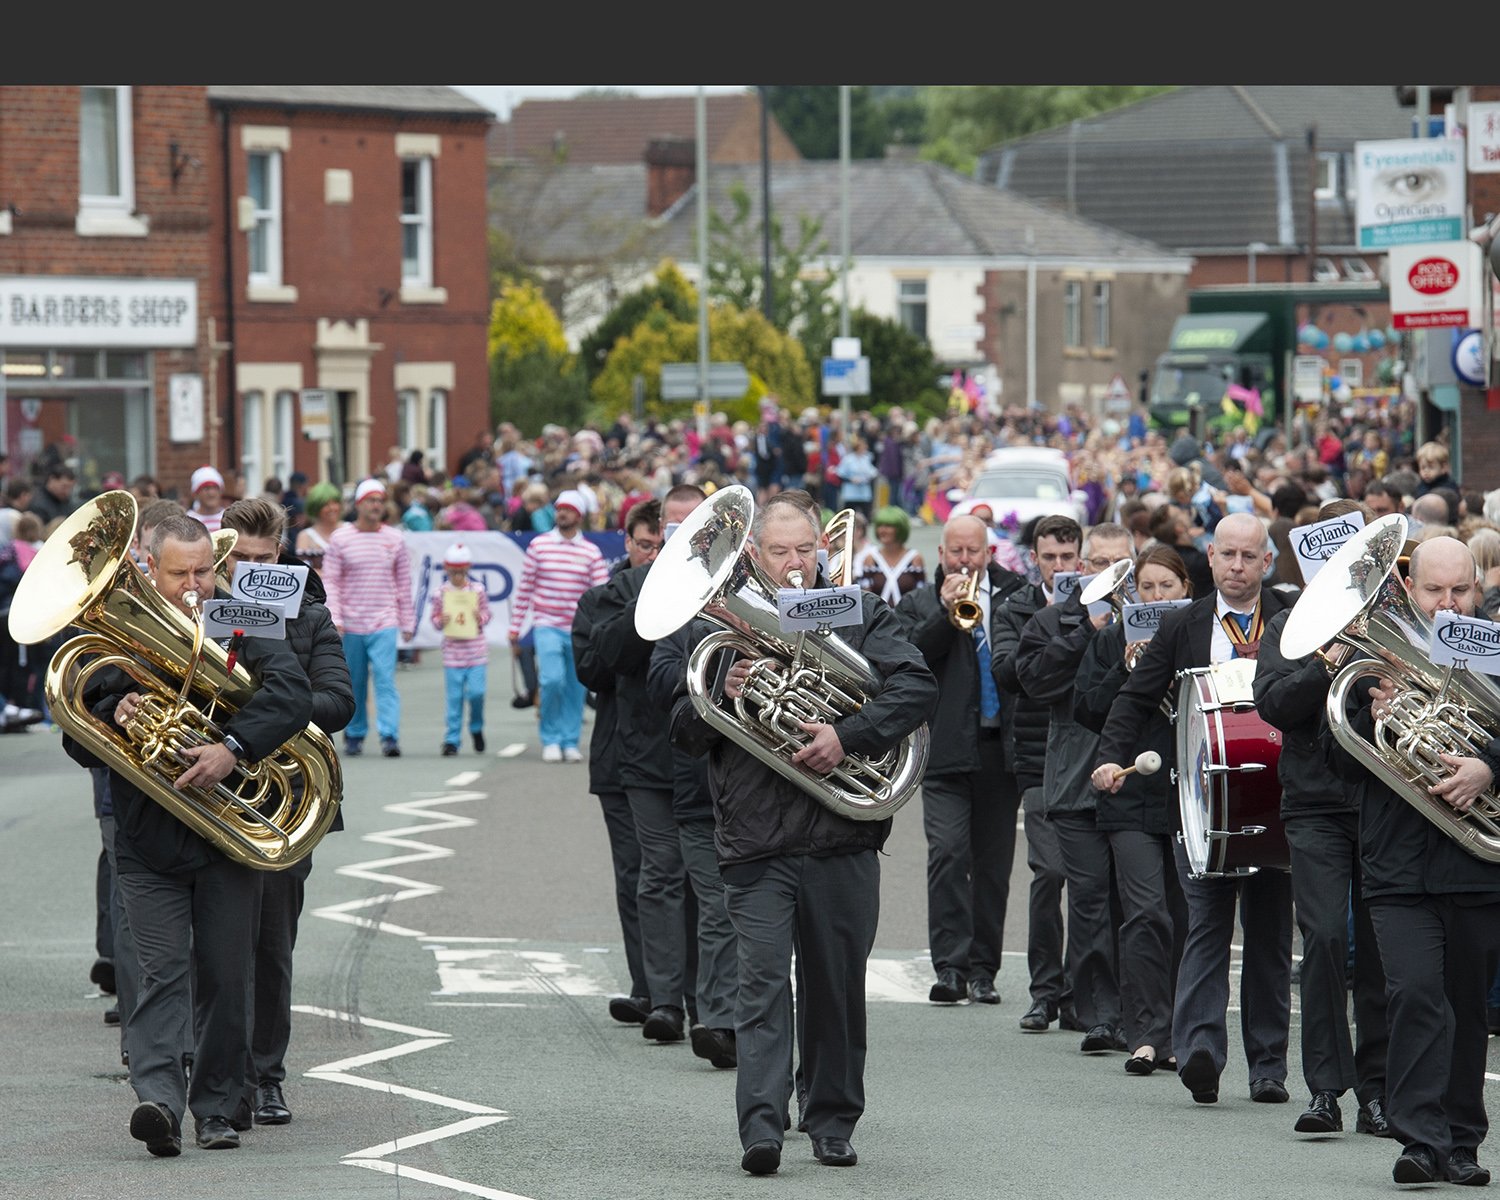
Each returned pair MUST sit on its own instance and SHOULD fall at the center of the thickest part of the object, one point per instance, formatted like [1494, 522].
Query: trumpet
[966, 612]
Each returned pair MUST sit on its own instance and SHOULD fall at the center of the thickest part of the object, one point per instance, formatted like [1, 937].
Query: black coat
[1147, 803]
[1026, 747]
[666, 683]
[758, 814]
[1292, 694]
[604, 752]
[1046, 663]
[147, 836]
[1184, 641]
[645, 754]
[950, 655]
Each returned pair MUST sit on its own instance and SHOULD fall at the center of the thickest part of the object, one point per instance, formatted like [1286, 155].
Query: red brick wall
[345, 261]
[39, 181]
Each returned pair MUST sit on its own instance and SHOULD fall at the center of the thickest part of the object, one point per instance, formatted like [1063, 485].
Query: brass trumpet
[966, 612]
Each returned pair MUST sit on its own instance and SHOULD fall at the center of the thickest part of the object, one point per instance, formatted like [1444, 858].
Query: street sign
[845, 347]
[1484, 138]
[1436, 284]
[1307, 378]
[846, 377]
[1117, 397]
[726, 381]
[1468, 358]
[1410, 191]
[316, 404]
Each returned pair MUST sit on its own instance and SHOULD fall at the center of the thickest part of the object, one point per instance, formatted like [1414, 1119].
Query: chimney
[670, 169]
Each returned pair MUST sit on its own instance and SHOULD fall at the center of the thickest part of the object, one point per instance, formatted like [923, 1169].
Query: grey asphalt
[960, 1102]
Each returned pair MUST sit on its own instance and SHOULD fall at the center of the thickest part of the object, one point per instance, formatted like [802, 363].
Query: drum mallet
[1148, 762]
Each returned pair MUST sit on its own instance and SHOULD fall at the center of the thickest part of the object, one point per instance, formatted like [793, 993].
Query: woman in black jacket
[1141, 819]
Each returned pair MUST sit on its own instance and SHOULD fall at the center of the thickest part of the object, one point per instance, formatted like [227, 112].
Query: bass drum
[1227, 784]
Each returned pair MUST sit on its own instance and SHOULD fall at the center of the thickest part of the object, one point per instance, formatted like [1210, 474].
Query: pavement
[451, 1034]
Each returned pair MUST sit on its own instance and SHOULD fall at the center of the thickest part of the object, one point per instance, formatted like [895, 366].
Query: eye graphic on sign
[1413, 186]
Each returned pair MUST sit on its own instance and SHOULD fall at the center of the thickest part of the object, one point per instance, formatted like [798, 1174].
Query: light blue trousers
[562, 694]
[373, 654]
[464, 683]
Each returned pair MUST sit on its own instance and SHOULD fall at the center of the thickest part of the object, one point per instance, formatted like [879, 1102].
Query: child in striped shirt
[461, 609]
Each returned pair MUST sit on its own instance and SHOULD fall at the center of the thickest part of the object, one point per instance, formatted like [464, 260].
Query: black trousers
[1088, 864]
[1044, 932]
[104, 890]
[1325, 874]
[275, 939]
[1440, 958]
[625, 851]
[970, 822]
[1147, 935]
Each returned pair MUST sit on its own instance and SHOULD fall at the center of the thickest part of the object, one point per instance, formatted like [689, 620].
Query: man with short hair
[1382, 499]
[969, 798]
[189, 907]
[312, 638]
[1429, 509]
[1436, 911]
[55, 499]
[1224, 624]
[368, 578]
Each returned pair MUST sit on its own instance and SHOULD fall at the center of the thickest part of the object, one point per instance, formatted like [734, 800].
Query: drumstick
[1147, 762]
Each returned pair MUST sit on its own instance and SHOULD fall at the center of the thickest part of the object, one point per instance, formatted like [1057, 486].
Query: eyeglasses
[645, 544]
[1099, 564]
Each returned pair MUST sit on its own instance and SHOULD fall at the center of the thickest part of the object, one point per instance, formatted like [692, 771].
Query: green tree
[902, 369]
[670, 291]
[801, 294]
[533, 378]
[810, 115]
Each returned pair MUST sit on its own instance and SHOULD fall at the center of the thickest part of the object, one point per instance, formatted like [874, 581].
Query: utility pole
[1312, 201]
[844, 234]
[701, 182]
[1073, 165]
[768, 300]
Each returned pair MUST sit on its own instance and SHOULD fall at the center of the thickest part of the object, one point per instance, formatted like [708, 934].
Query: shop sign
[185, 408]
[1412, 190]
[1484, 138]
[1435, 284]
[59, 310]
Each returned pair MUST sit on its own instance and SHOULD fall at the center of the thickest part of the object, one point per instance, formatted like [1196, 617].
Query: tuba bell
[1358, 602]
[803, 677]
[267, 815]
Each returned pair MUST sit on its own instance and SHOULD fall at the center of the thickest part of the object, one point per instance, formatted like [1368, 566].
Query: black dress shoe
[663, 1025]
[1269, 1091]
[1068, 1020]
[240, 1119]
[949, 988]
[983, 991]
[834, 1152]
[1372, 1120]
[716, 1045]
[1201, 1077]
[1463, 1168]
[270, 1105]
[112, 1015]
[478, 742]
[390, 748]
[630, 1010]
[1038, 1017]
[102, 975]
[1417, 1164]
[1099, 1039]
[216, 1133]
[1492, 1020]
[155, 1125]
[763, 1158]
[353, 747]
[1323, 1115]
[449, 749]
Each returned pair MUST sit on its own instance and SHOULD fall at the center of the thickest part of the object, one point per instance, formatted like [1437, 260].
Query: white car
[1030, 482]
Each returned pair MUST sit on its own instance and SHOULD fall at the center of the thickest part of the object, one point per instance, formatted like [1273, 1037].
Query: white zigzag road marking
[375, 870]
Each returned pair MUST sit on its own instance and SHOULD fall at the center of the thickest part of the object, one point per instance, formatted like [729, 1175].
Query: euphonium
[1357, 600]
[267, 815]
[966, 612]
[801, 677]
[1114, 584]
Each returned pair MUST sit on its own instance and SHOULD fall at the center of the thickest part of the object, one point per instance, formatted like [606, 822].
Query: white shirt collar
[1223, 606]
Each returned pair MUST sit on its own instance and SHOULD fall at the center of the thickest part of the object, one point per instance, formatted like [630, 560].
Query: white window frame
[437, 429]
[269, 217]
[284, 436]
[252, 457]
[1329, 192]
[909, 301]
[1102, 331]
[409, 420]
[422, 219]
[1073, 314]
[124, 203]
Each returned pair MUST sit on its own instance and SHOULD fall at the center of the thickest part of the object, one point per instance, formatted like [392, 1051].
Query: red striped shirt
[368, 579]
[558, 571]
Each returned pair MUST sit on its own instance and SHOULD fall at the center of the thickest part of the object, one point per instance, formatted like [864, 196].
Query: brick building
[178, 263]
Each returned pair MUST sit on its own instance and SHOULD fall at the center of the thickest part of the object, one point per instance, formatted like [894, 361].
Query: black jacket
[1046, 662]
[1147, 803]
[1026, 748]
[645, 754]
[1184, 641]
[758, 814]
[1402, 853]
[1200, 574]
[666, 682]
[147, 836]
[1292, 694]
[604, 751]
[950, 655]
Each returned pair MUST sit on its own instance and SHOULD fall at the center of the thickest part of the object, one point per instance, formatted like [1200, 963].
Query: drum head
[1193, 755]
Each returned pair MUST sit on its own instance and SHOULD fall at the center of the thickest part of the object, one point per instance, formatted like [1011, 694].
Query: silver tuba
[801, 677]
[1357, 600]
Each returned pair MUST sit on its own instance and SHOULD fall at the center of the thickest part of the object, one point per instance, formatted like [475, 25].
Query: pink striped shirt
[558, 571]
[368, 578]
[464, 652]
[212, 522]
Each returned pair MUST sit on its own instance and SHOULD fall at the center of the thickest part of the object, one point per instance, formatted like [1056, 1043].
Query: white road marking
[396, 1089]
[477, 1004]
[1492, 1075]
[375, 1056]
[430, 1135]
[462, 779]
[354, 1018]
[511, 751]
[456, 1185]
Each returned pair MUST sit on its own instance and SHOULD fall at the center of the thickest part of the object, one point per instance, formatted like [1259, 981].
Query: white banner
[58, 310]
[1143, 620]
[270, 583]
[1470, 641]
[814, 608]
[1315, 544]
[1412, 190]
[225, 618]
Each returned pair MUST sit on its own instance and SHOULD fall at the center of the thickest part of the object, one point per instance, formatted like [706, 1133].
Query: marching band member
[1225, 624]
[1051, 648]
[797, 873]
[1322, 830]
[969, 798]
[1436, 912]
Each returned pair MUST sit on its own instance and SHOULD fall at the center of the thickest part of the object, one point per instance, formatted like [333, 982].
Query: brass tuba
[801, 677]
[1357, 601]
[267, 815]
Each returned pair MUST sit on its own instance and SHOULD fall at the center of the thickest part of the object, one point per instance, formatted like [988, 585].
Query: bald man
[1436, 912]
[1227, 623]
[969, 799]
